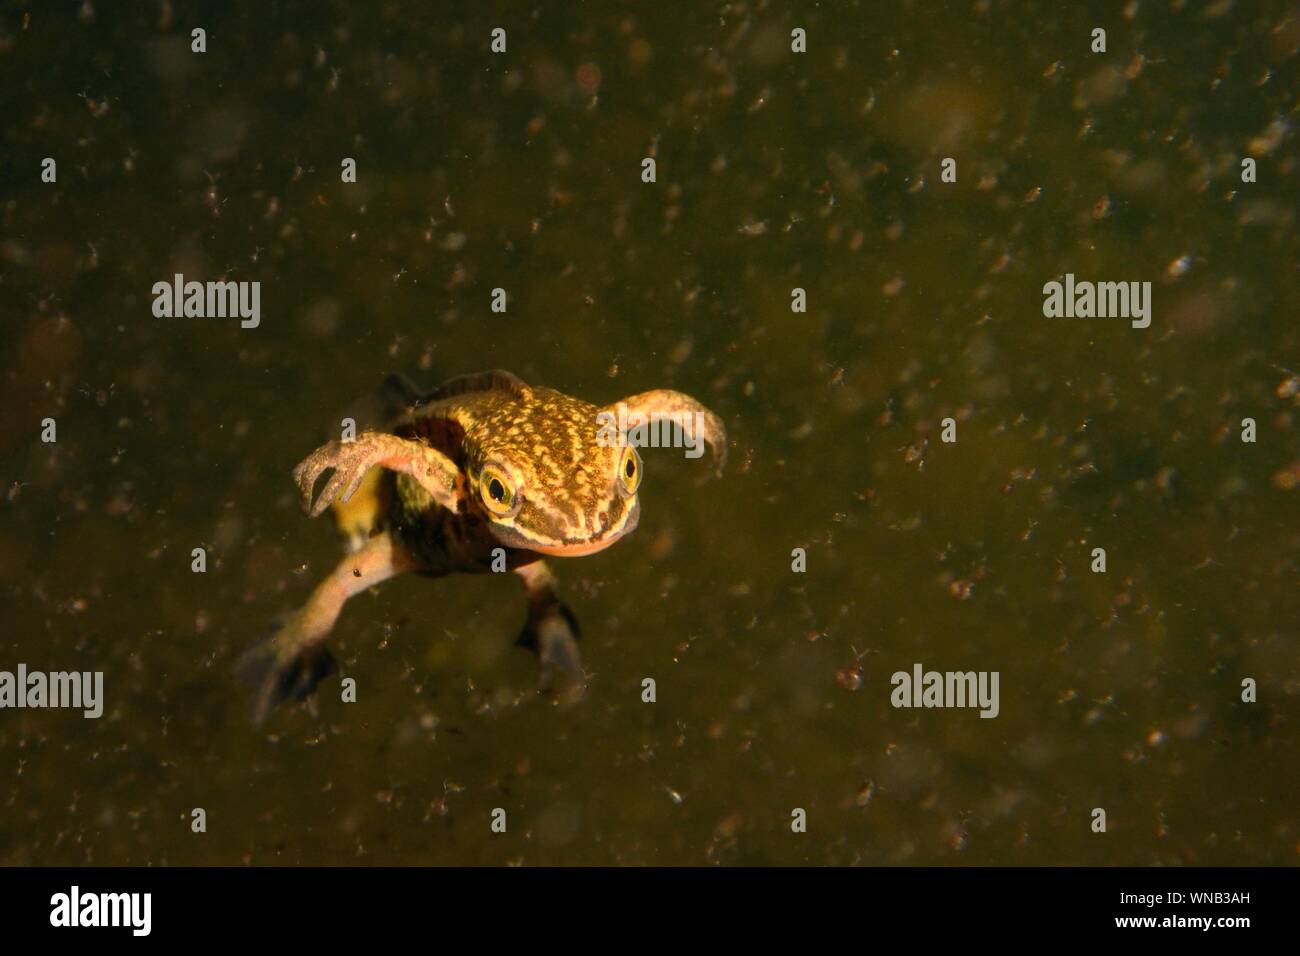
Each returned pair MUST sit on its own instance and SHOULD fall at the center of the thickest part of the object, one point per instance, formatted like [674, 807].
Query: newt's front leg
[664, 403]
[291, 662]
[435, 472]
[551, 631]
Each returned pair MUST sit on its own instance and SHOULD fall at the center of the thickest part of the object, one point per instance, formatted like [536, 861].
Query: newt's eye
[497, 491]
[629, 471]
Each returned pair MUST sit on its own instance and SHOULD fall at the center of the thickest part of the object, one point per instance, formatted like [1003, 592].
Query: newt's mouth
[575, 548]
[578, 548]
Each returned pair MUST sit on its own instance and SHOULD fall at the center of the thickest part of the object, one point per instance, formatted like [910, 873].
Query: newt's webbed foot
[280, 671]
[350, 461]
[551, 632]
[553, 636]
[293, 660]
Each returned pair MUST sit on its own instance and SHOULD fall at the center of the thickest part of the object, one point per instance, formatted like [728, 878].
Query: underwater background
[775, 170]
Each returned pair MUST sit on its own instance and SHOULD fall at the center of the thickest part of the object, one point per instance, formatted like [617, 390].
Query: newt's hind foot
[552, 634]
[278, 675]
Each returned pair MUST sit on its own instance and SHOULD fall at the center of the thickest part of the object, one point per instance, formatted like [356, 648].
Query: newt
[482, 473]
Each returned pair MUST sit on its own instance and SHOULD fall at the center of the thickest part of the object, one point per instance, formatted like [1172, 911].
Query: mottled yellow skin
[573, 500]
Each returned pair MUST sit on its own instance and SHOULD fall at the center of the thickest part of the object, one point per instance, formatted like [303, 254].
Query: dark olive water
[775, 170]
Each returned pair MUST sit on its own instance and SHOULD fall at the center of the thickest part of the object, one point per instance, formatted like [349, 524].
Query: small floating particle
[1288, 478]
[588, 78]
[850, 678]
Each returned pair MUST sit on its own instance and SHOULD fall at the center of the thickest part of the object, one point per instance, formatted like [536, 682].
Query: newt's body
[481, 470]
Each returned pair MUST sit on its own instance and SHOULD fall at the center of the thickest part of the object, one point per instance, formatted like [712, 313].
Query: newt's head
[545, 479]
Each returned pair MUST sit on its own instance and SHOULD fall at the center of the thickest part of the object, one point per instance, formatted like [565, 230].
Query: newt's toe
[349, 465]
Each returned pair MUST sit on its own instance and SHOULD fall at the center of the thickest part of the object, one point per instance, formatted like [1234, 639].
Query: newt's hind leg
[291, 662]
[551, 631]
